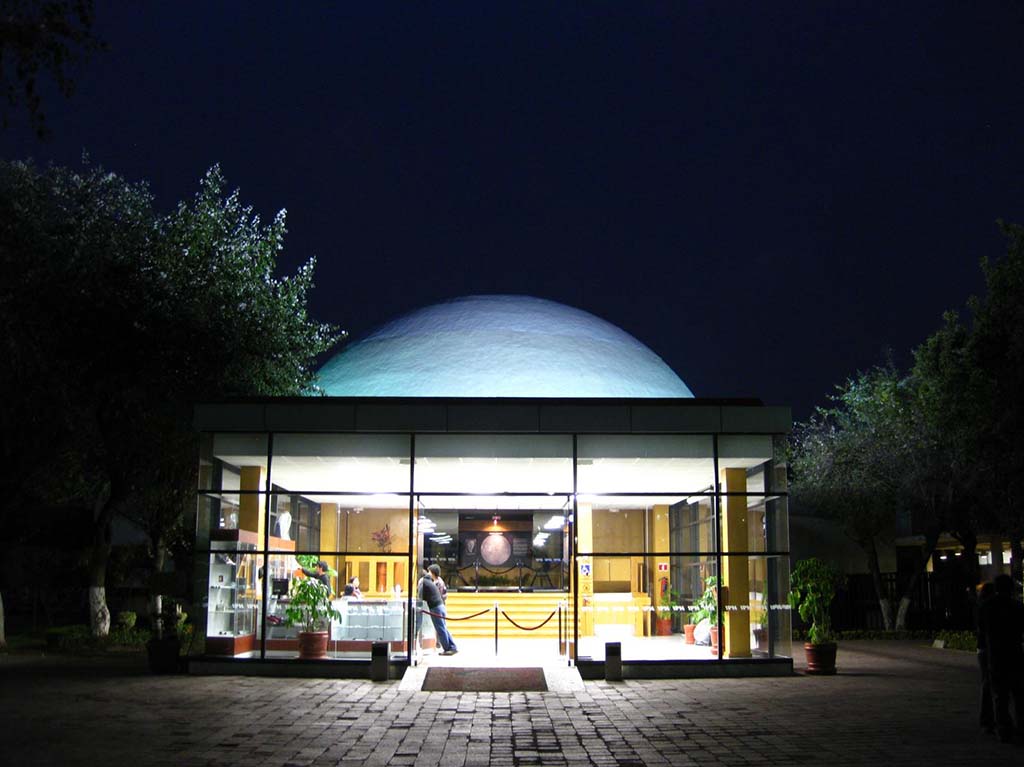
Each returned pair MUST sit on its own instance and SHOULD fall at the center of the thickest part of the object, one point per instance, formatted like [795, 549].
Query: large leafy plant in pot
[707, 607]
[310, 608]
[813, 585]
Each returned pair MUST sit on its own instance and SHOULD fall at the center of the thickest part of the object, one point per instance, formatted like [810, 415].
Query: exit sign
[662, 567]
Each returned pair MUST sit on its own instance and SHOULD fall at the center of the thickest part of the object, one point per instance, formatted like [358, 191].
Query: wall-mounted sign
[585, 568]
[662, 567]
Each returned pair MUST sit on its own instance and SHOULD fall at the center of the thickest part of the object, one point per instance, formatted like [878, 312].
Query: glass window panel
[646, 603]
[493, 463]
[227, 516]
[756, 618]
[496, 542]
[643, 524]
[754, 523]
[223, 457]
[362, 463]
[648, 463]
[759, 456]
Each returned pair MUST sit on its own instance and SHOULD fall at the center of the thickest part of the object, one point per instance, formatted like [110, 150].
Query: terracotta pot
[312, 645]
[761, 638]
[821, 658]
[714, 640]
[688, 632]
[663, 627]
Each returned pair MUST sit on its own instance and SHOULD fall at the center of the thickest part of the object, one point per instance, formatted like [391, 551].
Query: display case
[232, 602]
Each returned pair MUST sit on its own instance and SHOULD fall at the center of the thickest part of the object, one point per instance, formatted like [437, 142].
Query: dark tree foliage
[115, 320]
[942, 443]
[42, 37]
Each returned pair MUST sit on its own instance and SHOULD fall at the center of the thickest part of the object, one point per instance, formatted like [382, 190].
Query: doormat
[485, 680]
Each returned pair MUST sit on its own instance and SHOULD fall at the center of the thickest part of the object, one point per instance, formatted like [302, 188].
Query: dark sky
[768, 194]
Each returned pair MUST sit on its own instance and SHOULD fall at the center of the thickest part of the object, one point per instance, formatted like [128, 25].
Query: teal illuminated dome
[499, 346]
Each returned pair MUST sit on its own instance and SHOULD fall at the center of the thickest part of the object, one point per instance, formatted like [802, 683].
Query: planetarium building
[581, 504]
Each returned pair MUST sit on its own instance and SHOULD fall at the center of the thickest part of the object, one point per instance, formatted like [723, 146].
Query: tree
[37, 37]
[844, 463]
[997, 349]
[116, 321]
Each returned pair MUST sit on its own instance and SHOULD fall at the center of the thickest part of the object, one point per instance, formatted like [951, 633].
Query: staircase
[527, 609]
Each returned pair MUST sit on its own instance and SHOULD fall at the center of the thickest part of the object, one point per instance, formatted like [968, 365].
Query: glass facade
[674, 545]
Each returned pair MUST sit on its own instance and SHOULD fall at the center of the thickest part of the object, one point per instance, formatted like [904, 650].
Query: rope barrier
[502, 572]
[450, 618]
[523, 628]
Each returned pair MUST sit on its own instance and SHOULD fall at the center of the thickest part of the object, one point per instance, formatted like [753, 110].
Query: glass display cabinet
[233, 600]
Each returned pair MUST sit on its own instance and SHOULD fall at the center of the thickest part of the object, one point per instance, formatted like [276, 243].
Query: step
[528, 609]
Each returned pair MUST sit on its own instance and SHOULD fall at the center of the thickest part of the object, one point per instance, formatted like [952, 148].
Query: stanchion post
[613, 661]
[379, 661]
[495, 628]
[561, 645]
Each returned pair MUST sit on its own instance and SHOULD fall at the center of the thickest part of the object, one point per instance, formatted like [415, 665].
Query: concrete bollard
[613, 661]
[379, 661]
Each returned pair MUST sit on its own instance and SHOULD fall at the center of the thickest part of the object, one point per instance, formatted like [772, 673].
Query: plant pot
[761, 638]
[821, 658]
[163, 655]
[714, 640]
[688, 632]
[312, 645]
[663, 627]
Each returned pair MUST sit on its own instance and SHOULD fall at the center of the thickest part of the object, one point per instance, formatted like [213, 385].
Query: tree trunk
[156, 600]
[906, 599]
[884, 603]
[99, 613]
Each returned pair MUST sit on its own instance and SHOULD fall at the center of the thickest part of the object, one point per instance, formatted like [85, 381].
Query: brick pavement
[893, 703]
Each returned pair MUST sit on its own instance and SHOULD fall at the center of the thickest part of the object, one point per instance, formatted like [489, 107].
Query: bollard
[613, 661]
[379, 661]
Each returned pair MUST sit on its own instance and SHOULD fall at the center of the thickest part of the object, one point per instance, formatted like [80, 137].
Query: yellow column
[584, 579]
[660, 542]
[735, 576]
[329, 540]
[251, 507]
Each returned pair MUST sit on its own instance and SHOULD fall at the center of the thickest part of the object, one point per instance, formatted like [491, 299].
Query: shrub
[959, 640]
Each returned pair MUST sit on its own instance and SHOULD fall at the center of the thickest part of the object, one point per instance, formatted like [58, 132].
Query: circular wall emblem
[495, 549]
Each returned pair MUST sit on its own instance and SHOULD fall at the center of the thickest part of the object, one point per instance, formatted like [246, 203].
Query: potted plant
[310, 608]
[813, 585]
[707, 607]
[670, 602]
[163, 651]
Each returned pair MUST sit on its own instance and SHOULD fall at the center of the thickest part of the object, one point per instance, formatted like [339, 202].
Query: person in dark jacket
[986, 715]
[1002, 622]
[321, 573]
[430, 594]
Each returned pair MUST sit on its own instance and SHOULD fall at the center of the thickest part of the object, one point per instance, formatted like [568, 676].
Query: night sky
[769, 195]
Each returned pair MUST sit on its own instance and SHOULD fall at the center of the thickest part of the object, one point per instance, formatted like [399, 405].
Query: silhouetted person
[1002, 622]
[429, 593]
[986, 716]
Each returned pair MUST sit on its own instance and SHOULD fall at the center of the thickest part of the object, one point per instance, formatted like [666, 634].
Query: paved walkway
[893, 703]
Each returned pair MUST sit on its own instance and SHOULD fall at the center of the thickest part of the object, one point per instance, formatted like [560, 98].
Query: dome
[499, 346]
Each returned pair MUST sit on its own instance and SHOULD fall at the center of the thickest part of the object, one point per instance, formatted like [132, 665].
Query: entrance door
[504, 557]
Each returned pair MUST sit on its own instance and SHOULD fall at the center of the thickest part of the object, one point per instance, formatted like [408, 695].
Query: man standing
[430, 594]
[435, 574]
[1002, 622]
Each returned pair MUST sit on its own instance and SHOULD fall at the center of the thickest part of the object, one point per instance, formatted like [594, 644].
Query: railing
[560, 611]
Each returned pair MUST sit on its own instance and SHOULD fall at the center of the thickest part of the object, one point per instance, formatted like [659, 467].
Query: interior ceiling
[383, 480]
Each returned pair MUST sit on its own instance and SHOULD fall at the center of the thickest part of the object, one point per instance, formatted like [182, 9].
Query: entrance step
[528, 609]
